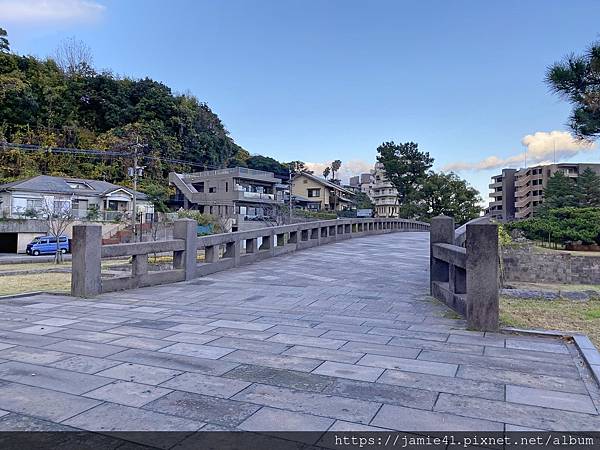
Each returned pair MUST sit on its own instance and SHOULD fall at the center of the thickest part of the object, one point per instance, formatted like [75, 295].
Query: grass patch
[25, 267]
[542, 249]
[32, 266]
[48, 282]
[565, 315]
[451, 315]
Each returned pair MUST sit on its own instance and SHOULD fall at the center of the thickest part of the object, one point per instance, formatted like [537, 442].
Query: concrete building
[383, 193]
[362, 183]
[379, 189]
[502, 195]
[531, 182]
[237, 193]
[517, 193]
[24, 203]
[329, 196]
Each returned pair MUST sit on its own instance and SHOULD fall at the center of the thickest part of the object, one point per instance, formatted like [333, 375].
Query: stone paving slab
[305, 341]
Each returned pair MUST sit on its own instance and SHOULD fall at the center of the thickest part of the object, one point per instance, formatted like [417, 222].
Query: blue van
[46, 245]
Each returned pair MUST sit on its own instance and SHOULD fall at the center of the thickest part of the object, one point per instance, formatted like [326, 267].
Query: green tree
[588, 188]
[326, 172]
[576, 79]
[297, 166]
[4, 44]
[562, 226]
[560, 192]
[446, 193]
[406, 168]
[90, 109]
[268, 164]
[240, 159]
[158, 194]
[363, 201]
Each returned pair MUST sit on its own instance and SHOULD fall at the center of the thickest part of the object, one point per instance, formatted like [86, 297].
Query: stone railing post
[482, 277]
[441, 232]
[186, 229]
[87, 255]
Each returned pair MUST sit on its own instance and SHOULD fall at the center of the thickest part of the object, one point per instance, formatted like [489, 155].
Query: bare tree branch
[74, 56]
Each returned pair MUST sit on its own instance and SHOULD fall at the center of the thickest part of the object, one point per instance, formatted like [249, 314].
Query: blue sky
[318, 80]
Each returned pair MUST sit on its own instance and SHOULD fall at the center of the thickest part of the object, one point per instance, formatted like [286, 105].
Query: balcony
[234, 172]
[387, 201]
[250, 196]
[522, 181]
[258, 195]
[524, 213]
[522, 202]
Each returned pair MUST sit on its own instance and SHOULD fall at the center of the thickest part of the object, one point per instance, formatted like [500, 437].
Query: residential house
[236, 194]
[323, 195]
[32, 198]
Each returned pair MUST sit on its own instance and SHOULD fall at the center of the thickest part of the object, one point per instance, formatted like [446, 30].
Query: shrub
[93, 213]
[202, 219]
[562, 226]
[321, 215]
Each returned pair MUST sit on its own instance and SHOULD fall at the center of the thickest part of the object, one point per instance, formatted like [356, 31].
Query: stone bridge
[339, 337]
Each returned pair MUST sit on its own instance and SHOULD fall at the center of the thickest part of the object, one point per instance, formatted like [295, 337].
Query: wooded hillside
[44, 104]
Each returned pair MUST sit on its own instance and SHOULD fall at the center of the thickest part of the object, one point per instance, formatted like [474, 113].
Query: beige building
[383, 193]
[325, 196]
[527, 190]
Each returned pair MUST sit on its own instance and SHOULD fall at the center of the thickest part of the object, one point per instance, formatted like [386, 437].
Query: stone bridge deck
[341, 337]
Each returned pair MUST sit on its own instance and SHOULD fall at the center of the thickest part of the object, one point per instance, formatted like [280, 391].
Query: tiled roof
[60, 185]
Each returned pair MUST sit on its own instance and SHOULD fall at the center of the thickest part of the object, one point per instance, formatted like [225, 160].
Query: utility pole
[290, 191]
[135, 171]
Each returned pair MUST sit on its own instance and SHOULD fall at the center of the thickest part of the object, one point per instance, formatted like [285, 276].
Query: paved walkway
[340, 337]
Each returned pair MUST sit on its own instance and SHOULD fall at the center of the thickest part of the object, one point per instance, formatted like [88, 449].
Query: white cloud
[46, 11]
[347, 170]
[541, 147]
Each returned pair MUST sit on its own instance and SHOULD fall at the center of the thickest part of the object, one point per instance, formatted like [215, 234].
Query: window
[61, 206]
[212, 190]
[305, 181]
[226, 186]
[34, 203]
[316, 192]
[199, 186]
[78, 185]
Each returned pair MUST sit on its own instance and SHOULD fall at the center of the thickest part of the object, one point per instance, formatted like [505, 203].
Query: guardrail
[221, 251]
[466, 278]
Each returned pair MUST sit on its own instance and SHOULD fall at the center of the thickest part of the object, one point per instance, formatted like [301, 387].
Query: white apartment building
[379, 189]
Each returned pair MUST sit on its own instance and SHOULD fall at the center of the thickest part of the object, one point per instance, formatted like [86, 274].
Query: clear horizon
[319, 81]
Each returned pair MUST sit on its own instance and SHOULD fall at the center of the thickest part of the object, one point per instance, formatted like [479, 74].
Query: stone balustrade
[466, 278]
[221, 251]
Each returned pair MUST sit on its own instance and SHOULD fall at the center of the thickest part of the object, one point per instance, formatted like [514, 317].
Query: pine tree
[560, 192]
[588, 188]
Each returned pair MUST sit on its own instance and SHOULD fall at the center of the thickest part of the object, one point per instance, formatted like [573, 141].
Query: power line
[97, 152]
